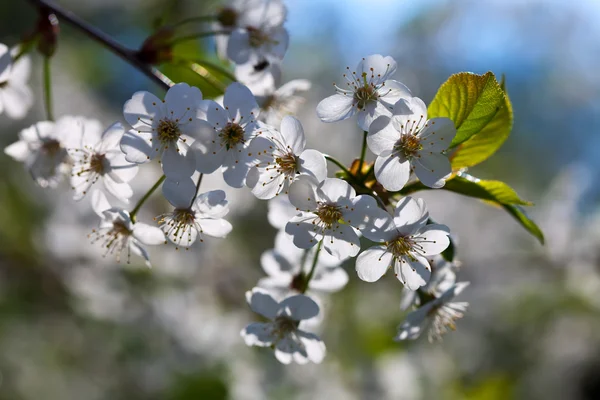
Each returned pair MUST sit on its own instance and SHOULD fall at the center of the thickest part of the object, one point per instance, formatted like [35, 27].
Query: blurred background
[74, 325]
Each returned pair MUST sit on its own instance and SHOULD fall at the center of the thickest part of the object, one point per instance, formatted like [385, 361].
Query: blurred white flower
[404, 242]
[440, 313]
[42, 147]
[162, 128]
[288, 268]
[282, 332]
[99, 157]
[16, 98]
[261, 79]
[193, 216]
[329, 210]
[118, 233]
[369, 93]
[275, 104]
[226, 135]
[443, 276]
[407, 141]
[281, 159]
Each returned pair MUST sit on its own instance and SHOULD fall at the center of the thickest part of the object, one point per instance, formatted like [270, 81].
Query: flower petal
[302, 193]
[334, 189]
[392, 91]
[373, 263]
[178, 162]
[218, 228]
[391, 172]
[182, 100]
[258, 334]
[312, 163]
[142, 110]
[212, 204]
[138, 147]
[413, 271]
[382, 136]
[298, 307]
[293, 134]
[301, 227]
[240, 103]
[432, 169]
[336, 108]
[148, 234]
[432, 239]
[410, 215]
[437, 134]
[179, 193]
[342, 242]
[262, 302]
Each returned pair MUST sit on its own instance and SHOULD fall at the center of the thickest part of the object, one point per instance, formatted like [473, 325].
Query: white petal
[342, 243]
[299, 307]
[413, 271]
[336, 108]
[370, 113]
[18, 150]
[212, 204]
[312, 163]
[334, 190]
[285, 349]
[121, 191]
[99, 203]
[392, 91]
[138, 147]
[414, 324]
[240, 103]
[432, 169]
[208, 151]
[218, 228]
[179, 193]
[376, 68]
[137, 248]
[314, 346]
[280, 211]
[262, 303]
[391, 172]
[410, 215]
[5, 62]
[258, 334]
[281, 39]
[234, 170]
[373, 263]
[17, 100]
[147, 234]
[276, 265]
[382, 136]
[142, 110]
[182, 100]
[293, 134]
[437, 135]
[111, 138]
[302, 193]
[374, 223]
[178, 162]
[329, 280]
[119, 169]
[302, 229]
[238, 47]
[432, 239]
[266, 184]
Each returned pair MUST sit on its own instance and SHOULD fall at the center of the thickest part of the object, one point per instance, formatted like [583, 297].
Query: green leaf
[482, 145]
[470, 100]
[519, 214]
[495, 192]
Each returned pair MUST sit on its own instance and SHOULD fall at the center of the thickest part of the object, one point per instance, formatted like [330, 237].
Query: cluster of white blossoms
[16, 98]
[252, 140]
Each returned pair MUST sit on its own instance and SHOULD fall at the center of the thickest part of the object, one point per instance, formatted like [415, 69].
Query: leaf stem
[48, 89]
[197, 189]
[107, 41]
[145, 197]
[313, 268]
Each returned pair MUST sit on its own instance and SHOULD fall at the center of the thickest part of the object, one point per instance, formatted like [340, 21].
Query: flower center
[168, 131]
[258, 37]
[231, 135]
[409, 145]
[401, 246]
[329, 214]
[119, 229]
[183, 216]
[97, 163]
[268, 102]
[287, 163]
[364, 95]
[227, 17]
[297, 282]
[284, 325]
[51, 147]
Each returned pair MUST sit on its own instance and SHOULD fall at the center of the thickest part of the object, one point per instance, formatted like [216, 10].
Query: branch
[107, 41]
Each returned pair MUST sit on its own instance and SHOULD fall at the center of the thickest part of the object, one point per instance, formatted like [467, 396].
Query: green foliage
[494, 192]
[485, 143]
[471, 101]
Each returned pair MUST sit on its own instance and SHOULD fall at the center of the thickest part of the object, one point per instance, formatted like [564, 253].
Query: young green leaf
[484, 144]
[470, 100]
[519, 214]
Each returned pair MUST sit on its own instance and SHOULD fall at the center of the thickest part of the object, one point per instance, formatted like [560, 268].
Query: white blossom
[282, 331]
[405, 240]
[443, 276]
[42, 147]
[226, 135]
[438, 315]
[408, 141]
[162, 128]
[329, 210]
[16, 98]
[99, 157]
[288, 267]
[368, 92]
[118, 233]
[193, 216]
[275, 104]
[261, 78]
[281, 159]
